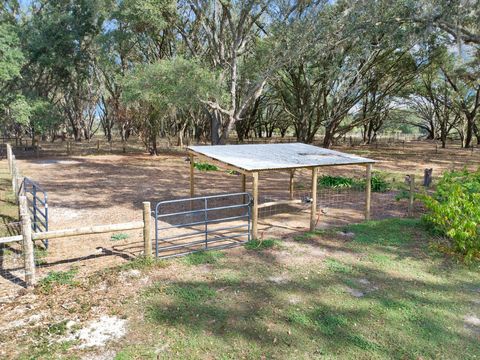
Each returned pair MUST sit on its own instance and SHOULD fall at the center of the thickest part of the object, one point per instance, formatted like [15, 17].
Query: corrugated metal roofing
[258, 157]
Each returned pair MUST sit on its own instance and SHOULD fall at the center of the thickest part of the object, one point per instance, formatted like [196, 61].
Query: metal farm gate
[202, 223]
[37, 201]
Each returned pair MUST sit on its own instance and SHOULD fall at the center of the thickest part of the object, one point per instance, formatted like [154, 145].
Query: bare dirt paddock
[110, 188]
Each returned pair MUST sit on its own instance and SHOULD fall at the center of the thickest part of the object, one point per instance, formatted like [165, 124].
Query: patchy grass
[54, 278]
[119, 236]
[141, 263]
[259, 244]
[380, 294]
[203, 257]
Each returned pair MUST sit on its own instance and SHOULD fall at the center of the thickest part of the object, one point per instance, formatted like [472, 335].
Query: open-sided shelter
[251, 159]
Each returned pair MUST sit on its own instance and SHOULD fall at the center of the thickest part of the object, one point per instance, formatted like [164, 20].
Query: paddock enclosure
[107, 188]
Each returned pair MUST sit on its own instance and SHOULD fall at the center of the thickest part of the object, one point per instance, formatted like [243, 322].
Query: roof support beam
[368, 191]
[255, 205]
[313, 210]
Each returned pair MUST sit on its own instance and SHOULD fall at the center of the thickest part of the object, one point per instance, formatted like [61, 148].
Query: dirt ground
[110, 188]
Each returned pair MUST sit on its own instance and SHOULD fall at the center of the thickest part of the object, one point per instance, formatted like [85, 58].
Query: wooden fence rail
[28, 237]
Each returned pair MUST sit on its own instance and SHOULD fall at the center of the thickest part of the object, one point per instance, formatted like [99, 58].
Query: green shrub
[203, 166]
[454, 211]
[379, 184]
[327, 181]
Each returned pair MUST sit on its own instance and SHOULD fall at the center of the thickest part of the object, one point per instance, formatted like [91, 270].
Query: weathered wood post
[313, 209]
[14, 176]
[255, 205]
[68, 147]
[28, 248]
[192, 175]
[147, 238]
[292, 185]
[368, 191]
[9, 157]
[412, 195]
[98, 146]
[36, 148]
[244, 186]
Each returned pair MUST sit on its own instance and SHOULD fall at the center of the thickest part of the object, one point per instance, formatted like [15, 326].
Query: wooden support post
[147, 239]
[244, 186]
[412, 195]
[292, 189]
[98, 146]
[368, 191]
[255, 206]
[313, 210]
[192, 176]
[28, 249]
[68, 147]
[37, 148]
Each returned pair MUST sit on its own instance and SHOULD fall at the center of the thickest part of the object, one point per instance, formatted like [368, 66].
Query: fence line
[27, 237]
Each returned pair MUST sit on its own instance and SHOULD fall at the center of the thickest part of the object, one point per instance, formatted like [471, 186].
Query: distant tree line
[202, 70]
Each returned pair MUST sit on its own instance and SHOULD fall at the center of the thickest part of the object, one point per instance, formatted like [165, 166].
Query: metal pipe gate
[37, 201]
[202, 223]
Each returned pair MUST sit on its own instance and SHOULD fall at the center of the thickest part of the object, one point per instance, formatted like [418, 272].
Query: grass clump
[203, 257]
[258, 244]
[119, 236]
[338, 267]
[57, 278]
[204, 166]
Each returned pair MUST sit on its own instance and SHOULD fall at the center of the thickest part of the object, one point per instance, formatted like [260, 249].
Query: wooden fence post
[255, 205]
[98, 146]
[28, 248]
[412, 195]
[37, 148]
[147, 239]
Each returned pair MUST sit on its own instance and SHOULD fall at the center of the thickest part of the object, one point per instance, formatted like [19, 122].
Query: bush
[203, 166]
[454, 211]
[379, 184]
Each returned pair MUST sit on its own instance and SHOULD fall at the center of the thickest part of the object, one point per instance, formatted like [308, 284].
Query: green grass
[290, 305]
[203, 257]
[259, 245]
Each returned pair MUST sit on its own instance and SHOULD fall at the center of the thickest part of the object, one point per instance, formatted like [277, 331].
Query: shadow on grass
[397, 314]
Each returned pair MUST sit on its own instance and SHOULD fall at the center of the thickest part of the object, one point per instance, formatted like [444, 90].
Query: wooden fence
[27, 237]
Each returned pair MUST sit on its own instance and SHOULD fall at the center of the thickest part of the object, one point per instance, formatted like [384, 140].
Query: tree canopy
[213, 69]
